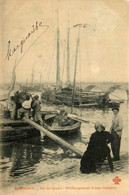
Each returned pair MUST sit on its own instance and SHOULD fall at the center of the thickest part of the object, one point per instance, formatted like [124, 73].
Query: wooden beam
[75, 117]
[54, 137]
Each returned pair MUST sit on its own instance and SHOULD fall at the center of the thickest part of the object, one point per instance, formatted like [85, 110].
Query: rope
[32, 45]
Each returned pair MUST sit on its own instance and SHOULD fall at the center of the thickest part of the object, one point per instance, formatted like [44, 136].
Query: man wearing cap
[36, 106]
[97, 149]
[116, 131]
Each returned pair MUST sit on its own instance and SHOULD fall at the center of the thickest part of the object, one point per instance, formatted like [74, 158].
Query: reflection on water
[22, 155]
[35, 160]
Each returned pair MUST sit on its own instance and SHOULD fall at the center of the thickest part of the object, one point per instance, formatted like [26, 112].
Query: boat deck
[12, 130]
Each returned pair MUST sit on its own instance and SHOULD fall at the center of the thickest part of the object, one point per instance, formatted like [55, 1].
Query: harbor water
[37, 162]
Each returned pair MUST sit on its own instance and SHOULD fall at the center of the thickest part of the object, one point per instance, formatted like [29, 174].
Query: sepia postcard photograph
[64, 97]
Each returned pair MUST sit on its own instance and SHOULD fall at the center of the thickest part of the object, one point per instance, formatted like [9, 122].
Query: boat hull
[12, 130]
[65, 130]
[81, 99]
[16, 134]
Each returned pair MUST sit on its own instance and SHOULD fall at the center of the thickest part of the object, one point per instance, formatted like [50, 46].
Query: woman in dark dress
[97, 149]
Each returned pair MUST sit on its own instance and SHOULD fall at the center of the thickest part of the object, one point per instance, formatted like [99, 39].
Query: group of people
[98, 149]
[22, 103]
[22, 106]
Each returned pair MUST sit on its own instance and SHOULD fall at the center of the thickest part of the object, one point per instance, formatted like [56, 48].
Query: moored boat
[64, 130]
[12, 130]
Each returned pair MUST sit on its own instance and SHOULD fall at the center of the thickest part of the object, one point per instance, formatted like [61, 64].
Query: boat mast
[57, 57]
[74, 82]
[68, 55]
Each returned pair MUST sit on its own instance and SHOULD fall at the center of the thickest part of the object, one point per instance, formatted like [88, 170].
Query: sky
[103, 39]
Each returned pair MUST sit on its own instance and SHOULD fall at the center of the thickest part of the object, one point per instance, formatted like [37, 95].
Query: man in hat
[97, 149]
[36, 106]
[116, 131]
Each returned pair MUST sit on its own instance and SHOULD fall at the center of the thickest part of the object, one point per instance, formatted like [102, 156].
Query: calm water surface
[35, 161]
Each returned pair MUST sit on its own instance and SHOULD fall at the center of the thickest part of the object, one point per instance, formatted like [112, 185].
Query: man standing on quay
[116, 131]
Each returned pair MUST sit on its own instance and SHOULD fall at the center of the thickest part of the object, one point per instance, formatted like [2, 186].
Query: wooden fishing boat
[81, 99]
[63, 130]
[12, 130]
[71, 95]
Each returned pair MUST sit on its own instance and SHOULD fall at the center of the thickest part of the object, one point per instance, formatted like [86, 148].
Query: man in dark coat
[97, 149]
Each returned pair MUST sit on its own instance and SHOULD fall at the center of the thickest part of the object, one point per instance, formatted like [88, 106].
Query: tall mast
[58, 56]
[73, 95]
[68, 55]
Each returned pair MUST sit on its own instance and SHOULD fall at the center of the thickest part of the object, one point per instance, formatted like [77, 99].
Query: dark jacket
[36, 105]
[96, 152]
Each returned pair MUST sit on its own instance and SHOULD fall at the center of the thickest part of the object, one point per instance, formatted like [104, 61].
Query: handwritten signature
[35, 28]
[80, 25]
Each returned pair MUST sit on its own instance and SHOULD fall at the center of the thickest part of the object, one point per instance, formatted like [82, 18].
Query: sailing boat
[65, 95]
[61, 95]
[69, 95]
[50, 95]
